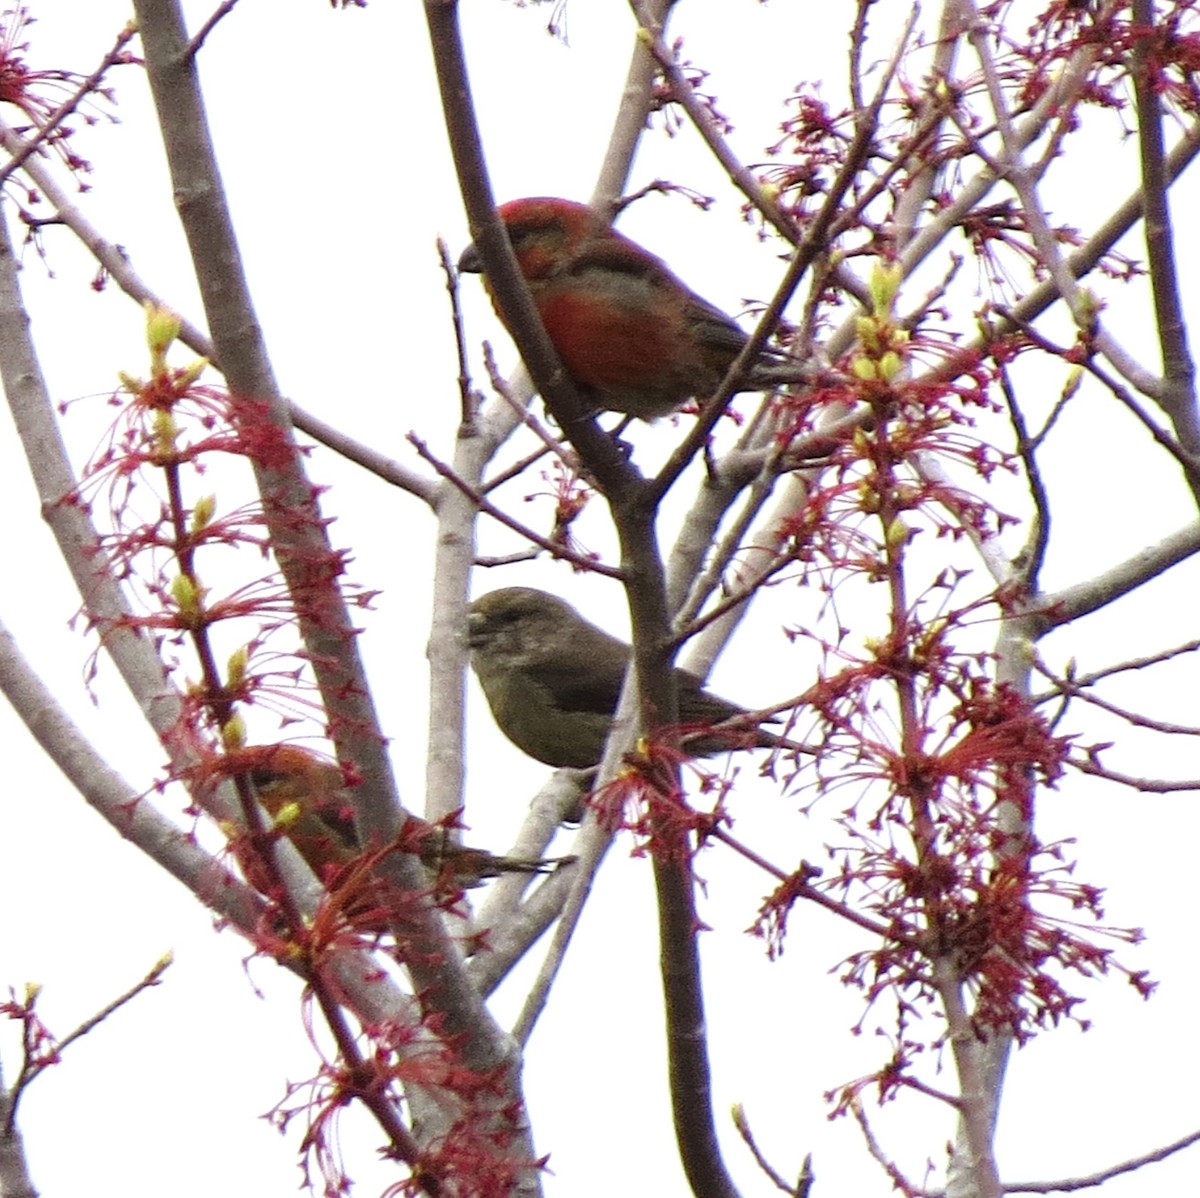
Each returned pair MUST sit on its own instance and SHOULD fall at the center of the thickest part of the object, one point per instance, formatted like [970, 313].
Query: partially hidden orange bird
[308, 798]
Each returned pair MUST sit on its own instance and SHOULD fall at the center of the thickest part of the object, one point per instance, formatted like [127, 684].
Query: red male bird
[632, 336]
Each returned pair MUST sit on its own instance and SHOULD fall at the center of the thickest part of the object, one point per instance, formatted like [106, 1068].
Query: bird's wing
[590, 682]
[713, 329]
[619, 257]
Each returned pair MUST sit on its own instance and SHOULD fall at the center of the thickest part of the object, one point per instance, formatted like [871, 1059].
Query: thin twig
[554, 548]
[468, 397]
[684, 94]
[1076, 689]
[899, 1181]
[1121, 392]
[1033, 554]
[69, 105]
[202, 33]
[519, 408]
[1134, 663]
[519, 467]
[31, 1069]
[1067, 1185]
[743, 1129]
[1144, 785]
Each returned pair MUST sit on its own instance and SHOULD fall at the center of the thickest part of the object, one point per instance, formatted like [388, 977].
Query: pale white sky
[332, 148]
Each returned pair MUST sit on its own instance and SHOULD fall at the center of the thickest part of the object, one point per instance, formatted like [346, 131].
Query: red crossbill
[552, 680]
[308, 798]
[632, 336]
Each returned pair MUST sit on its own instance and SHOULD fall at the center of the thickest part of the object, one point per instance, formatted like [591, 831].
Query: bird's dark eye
[264, 775]
[509, 615]
[518, 234]
[546, 237]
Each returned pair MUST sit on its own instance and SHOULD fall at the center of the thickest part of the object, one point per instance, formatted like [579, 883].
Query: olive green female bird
[552, 680]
